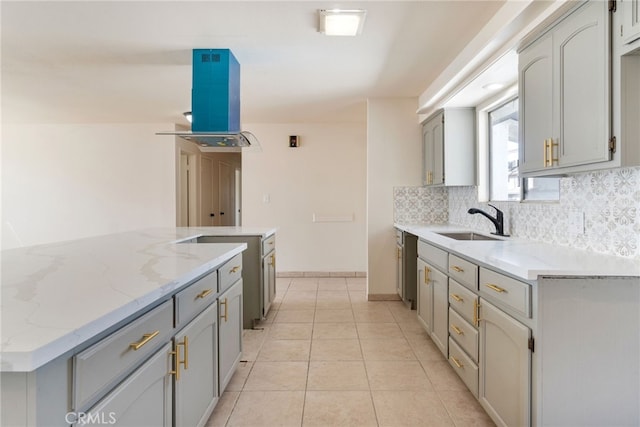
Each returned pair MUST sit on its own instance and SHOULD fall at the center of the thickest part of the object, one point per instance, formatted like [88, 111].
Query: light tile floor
[325, 356]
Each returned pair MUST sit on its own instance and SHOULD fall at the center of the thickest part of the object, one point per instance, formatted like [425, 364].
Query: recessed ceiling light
[338, 22]
[493, 86]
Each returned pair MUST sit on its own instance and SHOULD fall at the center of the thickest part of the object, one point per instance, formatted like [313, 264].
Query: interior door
[226, 188]
[207, 207]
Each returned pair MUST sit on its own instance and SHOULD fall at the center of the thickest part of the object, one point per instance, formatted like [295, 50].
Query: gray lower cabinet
[425, 297]
[143, 399]
[258, 292]
[230, 333]
[269, 276]
[433, 301]
[505, 361]
[195, 369]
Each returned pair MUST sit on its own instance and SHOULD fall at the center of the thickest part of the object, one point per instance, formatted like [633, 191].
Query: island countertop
[57, 296]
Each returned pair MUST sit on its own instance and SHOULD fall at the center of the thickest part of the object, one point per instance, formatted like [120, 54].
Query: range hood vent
[215, 102]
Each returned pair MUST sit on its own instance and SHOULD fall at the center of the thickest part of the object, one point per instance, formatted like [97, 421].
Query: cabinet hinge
[612, 144]
[612, 6]
[443, 118]
[531, 344]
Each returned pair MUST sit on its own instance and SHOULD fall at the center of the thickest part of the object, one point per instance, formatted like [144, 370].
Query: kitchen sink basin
[467, 236]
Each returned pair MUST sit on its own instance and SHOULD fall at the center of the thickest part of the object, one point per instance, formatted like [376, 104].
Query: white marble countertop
[57, 296]
[526, 259]
[184, 233]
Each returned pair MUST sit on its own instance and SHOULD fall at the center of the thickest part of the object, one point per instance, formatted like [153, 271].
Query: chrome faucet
[498, 221]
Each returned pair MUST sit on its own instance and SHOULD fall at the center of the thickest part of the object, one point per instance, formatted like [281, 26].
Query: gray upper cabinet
[630, 30]
[535, 114]
[565, 101]
[448, 140]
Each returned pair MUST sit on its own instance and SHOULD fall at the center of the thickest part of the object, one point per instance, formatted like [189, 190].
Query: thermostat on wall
[294, 141]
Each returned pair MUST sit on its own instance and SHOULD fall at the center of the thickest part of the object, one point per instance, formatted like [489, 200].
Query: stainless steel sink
[468, 235]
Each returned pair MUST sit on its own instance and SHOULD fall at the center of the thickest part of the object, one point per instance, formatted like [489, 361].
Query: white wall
[324, 176]
[68, 181]
[394, 151]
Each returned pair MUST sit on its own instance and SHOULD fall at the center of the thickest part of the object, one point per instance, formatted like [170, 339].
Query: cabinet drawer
[195, 298]
[463, 301]
[229, 272]
[465, 272]
[511, 292]
[435, 256]
[464, 367]
[464, 334]
[110, 359]
[268, 244]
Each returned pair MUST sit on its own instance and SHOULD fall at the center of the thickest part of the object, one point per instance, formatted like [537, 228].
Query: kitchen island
[101, 326]
[541, 334]
[259, 264]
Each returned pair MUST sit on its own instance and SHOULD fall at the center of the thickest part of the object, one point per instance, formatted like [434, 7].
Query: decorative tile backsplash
[605, 203]
[420, 205]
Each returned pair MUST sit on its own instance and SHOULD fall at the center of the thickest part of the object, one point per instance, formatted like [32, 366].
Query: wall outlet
[266, 198]
[576, 221]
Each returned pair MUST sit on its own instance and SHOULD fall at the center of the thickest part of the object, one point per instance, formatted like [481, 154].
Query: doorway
[208, 189]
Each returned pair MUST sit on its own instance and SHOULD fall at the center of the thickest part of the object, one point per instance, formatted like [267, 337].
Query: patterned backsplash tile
[420, 205]
[608, 201]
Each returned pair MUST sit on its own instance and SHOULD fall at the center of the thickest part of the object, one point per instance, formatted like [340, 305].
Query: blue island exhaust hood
[215, 102]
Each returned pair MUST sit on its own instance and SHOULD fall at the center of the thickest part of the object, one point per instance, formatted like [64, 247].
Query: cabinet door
[399, 287]
[630, 20]
[581, 72]
[230, 332]
[535, 99]
[143, 399]
[269, 281]
[440, 333]
[438, 150]
[196, 384]
[427, 152]
[425, 296]
[505, 361]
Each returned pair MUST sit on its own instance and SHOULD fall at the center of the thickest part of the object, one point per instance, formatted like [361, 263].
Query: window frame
[484, 144]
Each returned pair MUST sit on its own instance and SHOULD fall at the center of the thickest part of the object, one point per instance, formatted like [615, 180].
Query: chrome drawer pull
[495, 288]
[457, 269]
[457, 330]
[456, 297]
[145, 339]
[204, 293]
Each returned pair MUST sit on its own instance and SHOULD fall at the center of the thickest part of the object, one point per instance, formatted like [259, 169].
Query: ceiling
[130, 61]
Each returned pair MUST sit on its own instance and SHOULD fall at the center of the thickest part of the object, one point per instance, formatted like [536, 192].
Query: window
[503, 152]
[504, 183]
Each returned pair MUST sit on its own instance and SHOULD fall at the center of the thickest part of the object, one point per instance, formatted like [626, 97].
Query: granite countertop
[57, 296]
[526, 259]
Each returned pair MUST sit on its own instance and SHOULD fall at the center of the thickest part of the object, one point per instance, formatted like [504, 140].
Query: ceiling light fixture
[338, 22]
